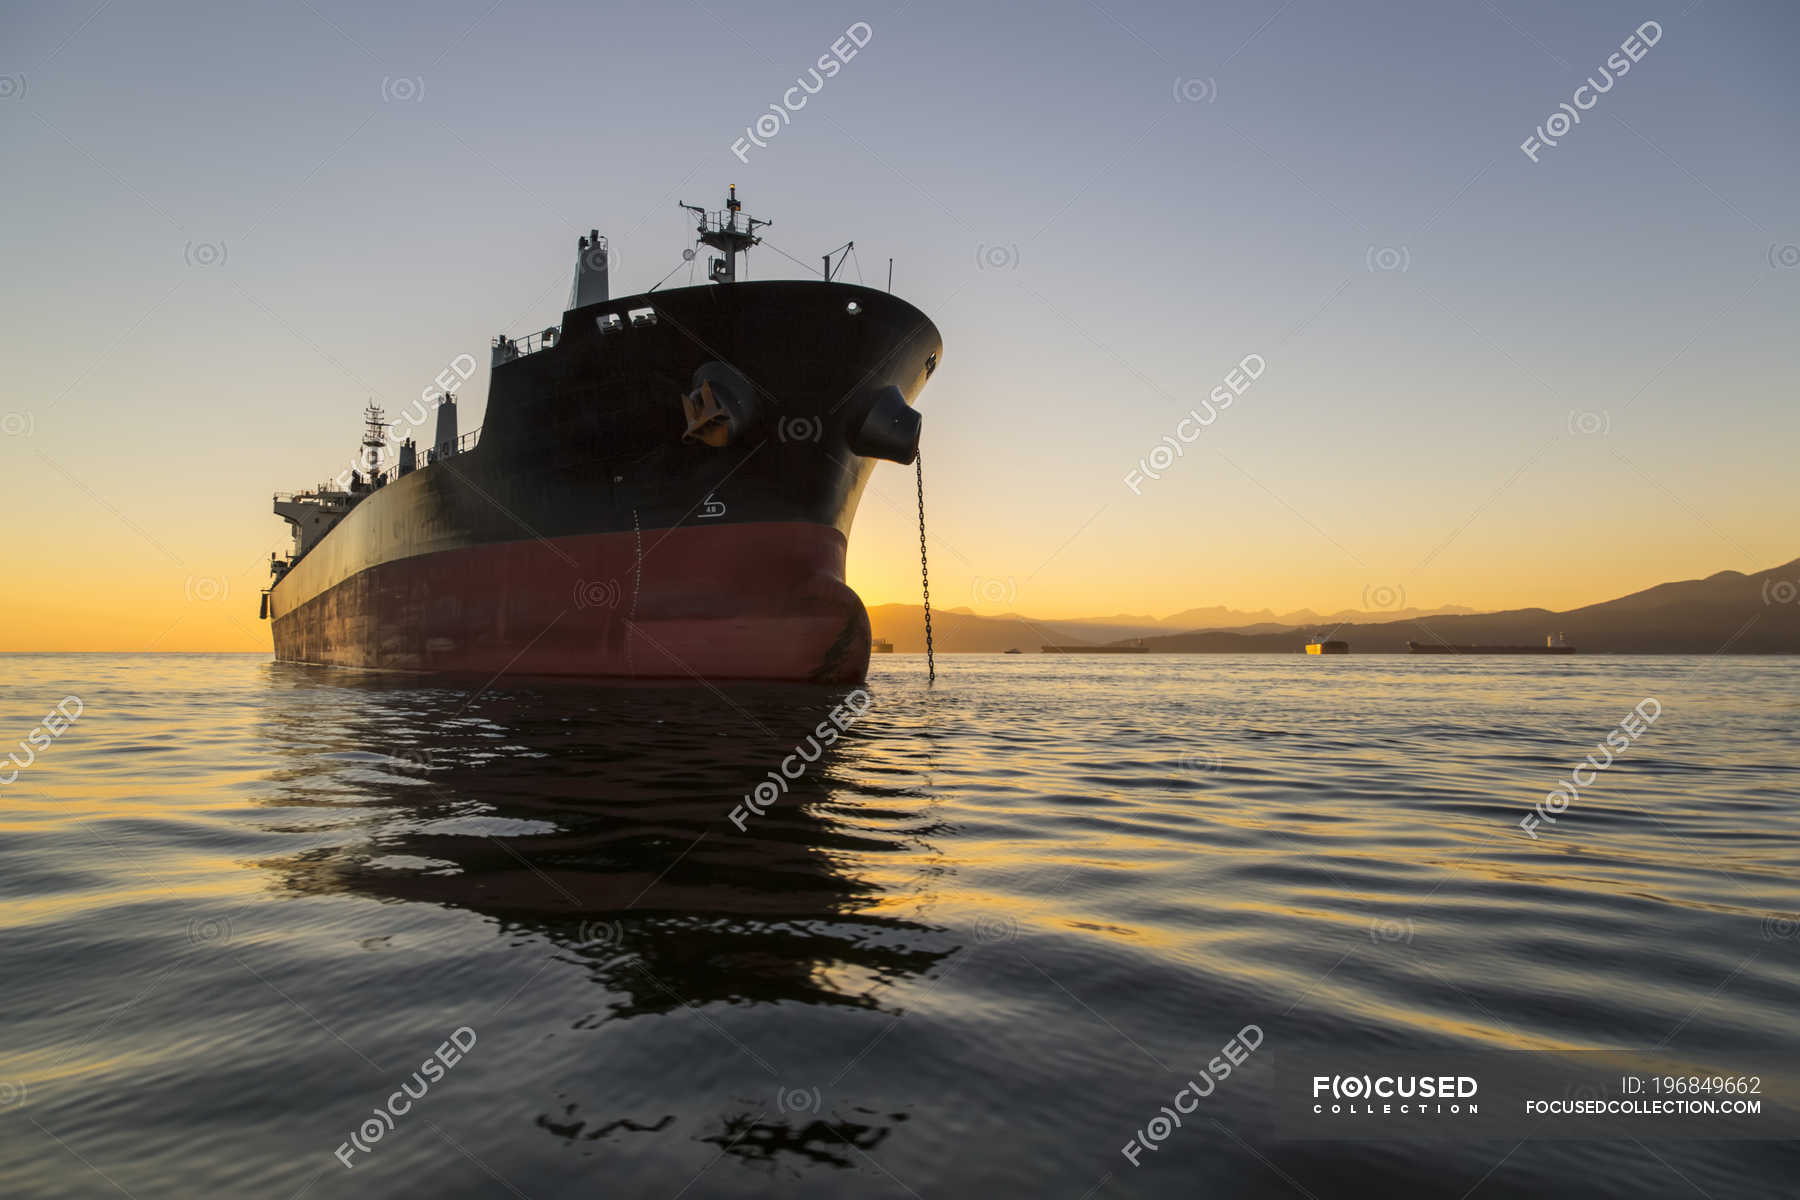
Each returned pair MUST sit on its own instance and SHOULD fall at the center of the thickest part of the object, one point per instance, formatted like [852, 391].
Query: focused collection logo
[1368, 1095]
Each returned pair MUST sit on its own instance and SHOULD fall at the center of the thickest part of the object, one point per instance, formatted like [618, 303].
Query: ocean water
[974, 947]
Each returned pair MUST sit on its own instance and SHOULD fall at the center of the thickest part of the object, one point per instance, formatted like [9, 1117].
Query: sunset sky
[1490, 381]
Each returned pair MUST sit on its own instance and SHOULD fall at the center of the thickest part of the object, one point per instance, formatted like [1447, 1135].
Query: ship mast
[375, 428]
[721, 231]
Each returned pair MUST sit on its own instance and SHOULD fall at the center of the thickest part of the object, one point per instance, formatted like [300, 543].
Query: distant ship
[881, 646]
[1554, 644]
[1328, 647]
[663, 488]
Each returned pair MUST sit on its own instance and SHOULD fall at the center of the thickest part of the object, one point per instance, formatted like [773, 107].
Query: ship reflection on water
[970, 951]
[597, 820]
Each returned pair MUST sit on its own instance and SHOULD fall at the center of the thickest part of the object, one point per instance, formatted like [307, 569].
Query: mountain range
[1729, 612]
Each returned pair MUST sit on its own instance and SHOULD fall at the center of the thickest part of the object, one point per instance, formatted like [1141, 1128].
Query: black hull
[585, 437]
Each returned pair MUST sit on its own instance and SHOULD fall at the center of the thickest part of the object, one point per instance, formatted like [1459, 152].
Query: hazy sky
[1490, 381]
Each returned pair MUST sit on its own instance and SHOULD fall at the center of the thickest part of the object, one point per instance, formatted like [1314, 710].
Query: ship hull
[585, 535]
[1445, 648]
[747, 601]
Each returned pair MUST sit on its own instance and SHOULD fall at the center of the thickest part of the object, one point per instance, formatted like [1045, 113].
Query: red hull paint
[742, 601]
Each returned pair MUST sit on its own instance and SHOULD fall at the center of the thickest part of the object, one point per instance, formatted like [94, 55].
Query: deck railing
[507, 348]
[425, 456]
[428, 455]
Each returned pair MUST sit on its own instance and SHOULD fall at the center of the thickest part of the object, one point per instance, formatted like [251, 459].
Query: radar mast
[723, 231]
[375, 427]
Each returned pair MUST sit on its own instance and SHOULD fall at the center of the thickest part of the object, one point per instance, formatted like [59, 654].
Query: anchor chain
[925, 572]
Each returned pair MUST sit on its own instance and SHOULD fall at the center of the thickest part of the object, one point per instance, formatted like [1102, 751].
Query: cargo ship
[1553, 644]
[662, 488]
[1135, 646]
[1326, 646]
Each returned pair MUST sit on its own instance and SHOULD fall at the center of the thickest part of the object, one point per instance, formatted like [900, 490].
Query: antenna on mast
[375, 427]
[721, 230]
[843, 252]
